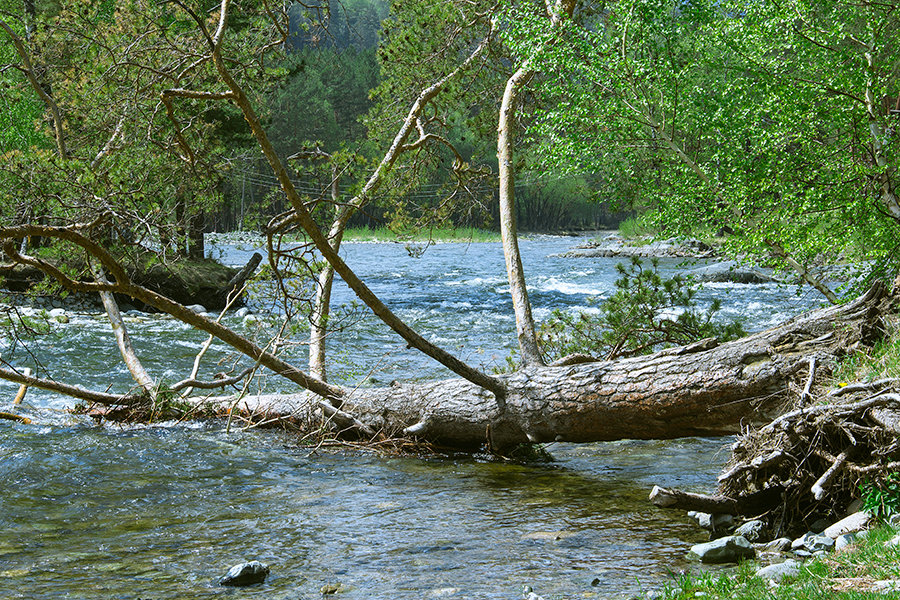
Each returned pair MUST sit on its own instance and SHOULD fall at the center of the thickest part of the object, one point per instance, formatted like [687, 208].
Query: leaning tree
[193, 59]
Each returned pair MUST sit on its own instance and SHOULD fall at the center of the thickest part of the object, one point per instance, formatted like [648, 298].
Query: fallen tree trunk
[701, 389]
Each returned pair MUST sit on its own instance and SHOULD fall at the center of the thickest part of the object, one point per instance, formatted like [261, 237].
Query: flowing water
[162, 511]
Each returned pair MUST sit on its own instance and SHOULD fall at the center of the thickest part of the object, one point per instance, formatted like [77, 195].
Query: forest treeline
[774, 124]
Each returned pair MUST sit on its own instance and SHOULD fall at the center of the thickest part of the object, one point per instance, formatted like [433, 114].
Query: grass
[846, 575]
[383, 234]
[868, 364]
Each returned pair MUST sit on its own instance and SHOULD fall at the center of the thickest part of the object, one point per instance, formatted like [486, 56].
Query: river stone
[778, 571]
[248, 573]
[851, 524]
[242, 312]
[844, 540]
[732, 548]
[752, 531]
[196, 308]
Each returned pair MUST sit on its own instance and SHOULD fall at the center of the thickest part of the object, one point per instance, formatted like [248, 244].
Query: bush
[645, 314]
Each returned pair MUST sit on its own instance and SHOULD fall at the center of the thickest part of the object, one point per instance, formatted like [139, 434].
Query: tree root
[816, 457]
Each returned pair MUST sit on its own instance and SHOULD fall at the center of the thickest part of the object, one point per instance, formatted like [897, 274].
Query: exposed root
[816, 457]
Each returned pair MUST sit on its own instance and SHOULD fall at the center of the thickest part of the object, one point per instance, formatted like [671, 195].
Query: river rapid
[162, 511]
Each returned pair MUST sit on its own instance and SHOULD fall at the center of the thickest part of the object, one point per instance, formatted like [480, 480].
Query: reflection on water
[162, 512]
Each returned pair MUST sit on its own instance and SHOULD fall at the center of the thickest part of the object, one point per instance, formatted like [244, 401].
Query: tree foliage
[773, 121]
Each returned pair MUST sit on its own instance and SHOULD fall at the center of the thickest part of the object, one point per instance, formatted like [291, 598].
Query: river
[162, 511]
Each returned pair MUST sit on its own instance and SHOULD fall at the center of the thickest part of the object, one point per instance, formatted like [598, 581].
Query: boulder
[244, 574]
[733, 548]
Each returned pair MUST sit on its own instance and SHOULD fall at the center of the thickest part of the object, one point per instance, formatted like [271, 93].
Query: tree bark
[700, 389]
[525, 331]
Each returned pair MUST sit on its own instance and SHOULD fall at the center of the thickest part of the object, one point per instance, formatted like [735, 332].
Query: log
[697, 390]
[669, 498]
[753, 504]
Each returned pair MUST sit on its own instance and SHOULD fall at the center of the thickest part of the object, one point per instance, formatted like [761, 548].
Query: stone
[842, 541]
[855, 522]
[242, 312]
[752, 531]
[244, 574]
[779, 545]
[733, 548]
[778, 571]
[196, 308]
[714, 523]
[811, 543]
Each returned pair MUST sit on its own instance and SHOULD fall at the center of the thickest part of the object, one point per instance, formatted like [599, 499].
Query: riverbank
[866, 567]
[854, 557]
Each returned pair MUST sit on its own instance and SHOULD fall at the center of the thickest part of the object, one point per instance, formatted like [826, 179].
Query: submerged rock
[244, 574]
[733, 548]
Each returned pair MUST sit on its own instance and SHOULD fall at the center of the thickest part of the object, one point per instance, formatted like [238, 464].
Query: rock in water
[724, 550]
[248, 573]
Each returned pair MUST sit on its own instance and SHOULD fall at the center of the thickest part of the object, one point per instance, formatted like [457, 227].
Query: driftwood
[815, 458]
[701, 389]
